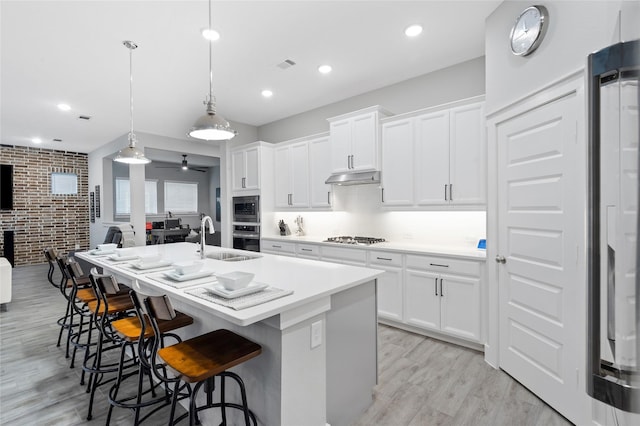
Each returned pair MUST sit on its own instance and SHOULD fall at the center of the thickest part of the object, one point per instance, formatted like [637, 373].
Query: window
[123, 197]
[180, 197]
[64, 183]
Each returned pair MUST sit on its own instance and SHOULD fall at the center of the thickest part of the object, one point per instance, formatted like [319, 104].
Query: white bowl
[235, 280]
[107, 247]
[150, 258]
[124, 252]
[185, 268]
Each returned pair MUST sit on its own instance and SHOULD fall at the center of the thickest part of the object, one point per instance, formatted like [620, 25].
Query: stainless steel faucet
[205, 220]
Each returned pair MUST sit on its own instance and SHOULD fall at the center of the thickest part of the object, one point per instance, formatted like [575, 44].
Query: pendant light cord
[211, 102]
[131, 135]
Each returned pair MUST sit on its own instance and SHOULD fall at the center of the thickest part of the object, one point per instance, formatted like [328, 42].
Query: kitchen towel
[242, 302]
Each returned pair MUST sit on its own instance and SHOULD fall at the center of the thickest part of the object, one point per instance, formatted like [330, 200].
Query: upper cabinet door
[319, 171]
[282, 176]
[252, 171]
[299, 174]
[364, 142]
[467, 175]
[340, 146]
[237, 170]
[397, 163]
[432, 158]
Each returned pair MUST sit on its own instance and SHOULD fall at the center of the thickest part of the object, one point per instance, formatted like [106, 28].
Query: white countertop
[310, 280]
[463, 251]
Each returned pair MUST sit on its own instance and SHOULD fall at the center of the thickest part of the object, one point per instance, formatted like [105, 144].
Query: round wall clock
[529, 30]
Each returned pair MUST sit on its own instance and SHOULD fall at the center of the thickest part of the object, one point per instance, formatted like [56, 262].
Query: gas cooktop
[365, 241]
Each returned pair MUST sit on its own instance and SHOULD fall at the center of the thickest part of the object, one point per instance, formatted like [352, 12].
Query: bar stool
[110, 304]
[132, 332]
[64, 322]
[199, 360]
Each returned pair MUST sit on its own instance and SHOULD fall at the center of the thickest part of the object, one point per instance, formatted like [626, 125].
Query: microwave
[246, 209]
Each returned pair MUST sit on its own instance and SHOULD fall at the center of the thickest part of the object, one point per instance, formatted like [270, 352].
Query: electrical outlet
[316, 334]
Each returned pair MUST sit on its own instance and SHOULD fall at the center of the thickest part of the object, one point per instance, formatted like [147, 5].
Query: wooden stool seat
[197, 359]
[130, 328]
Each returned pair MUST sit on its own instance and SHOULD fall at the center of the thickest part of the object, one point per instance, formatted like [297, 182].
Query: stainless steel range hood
[354, 178]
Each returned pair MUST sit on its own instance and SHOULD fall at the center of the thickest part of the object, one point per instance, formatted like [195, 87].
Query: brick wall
[39, 218]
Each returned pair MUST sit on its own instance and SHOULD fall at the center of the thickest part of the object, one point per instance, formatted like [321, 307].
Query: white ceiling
[72, 52]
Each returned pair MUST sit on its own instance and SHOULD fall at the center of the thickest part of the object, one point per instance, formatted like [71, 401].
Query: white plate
[151, 265]
[174, 275]
[96, 252]
[253, 287]
[122, 258]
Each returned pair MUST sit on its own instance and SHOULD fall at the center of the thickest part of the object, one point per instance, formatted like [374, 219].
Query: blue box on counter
[482, 244]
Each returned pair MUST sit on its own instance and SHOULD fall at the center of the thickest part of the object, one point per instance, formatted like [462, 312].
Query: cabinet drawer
[384, 258]
[338, 253]
[444, 265]
[278, 246]
[307, 250]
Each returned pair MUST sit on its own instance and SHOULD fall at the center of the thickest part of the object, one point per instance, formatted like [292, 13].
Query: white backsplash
[361, 213]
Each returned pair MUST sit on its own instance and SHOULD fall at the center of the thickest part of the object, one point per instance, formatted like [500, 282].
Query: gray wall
[576, 28]
[460, 81]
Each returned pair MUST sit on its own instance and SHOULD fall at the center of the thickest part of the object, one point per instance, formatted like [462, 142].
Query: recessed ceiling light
[64, 107]
[325, 69]
[413, 30]
[36, 140]
[210, 34]
[267, 93]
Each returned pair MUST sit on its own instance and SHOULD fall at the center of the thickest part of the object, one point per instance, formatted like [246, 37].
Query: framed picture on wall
[92, 206]
[97, 210]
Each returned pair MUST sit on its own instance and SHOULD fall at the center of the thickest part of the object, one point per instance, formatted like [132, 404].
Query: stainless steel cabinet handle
[450, 192]
[435, 285]
[305, 249]
[441, 292]
[384, 258]
[275, 246]
[439, 264]
[445, 192]
[382, 189]
[329, 197]
[500, 259]
[243, 182]
[348, 161]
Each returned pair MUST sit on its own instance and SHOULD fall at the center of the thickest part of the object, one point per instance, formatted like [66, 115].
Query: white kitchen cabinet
[390, 284]
[398, 163]
[245, 169]
[443, 294]
[436, 158]
[347, 256]
[355, 140]
[319, 171]
[283, 248]
[291, 171]
[308, 251]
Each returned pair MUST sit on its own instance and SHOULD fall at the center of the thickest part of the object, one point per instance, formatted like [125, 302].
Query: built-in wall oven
[246, 223]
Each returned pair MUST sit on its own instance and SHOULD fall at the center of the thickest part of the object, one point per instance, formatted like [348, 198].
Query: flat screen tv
[6, 187]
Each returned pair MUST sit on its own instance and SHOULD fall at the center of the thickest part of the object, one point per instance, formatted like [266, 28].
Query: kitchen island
[301, 378]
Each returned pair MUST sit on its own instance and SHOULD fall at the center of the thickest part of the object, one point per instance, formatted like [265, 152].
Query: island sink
[230, 256]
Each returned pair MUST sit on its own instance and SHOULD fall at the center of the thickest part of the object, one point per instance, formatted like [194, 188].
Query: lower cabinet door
[460, 304]
[390, 293]
[422, 299]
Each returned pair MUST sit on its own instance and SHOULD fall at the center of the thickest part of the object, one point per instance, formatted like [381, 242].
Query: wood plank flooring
[422, 381]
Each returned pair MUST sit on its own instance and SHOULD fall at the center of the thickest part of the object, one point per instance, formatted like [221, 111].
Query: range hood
[354, 178]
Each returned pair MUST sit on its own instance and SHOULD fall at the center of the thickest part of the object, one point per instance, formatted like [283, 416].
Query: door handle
[501, 259]
[329, 197]
[450, 192]
[382, 191]
[441, 292]
[445, 192]
[243, 183]
[435, 285]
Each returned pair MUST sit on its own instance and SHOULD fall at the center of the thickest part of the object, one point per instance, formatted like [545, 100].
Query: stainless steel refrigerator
[613, 374]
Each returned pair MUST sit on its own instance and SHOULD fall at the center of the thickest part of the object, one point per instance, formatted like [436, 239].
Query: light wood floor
[422, 381]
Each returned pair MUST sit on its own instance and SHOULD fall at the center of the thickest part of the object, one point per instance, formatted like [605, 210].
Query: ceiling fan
[184, 166]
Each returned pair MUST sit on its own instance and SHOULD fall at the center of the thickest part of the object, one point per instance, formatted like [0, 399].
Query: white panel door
[252, 172]
[319, 171]
[282, 177]
[364, 142]
[422, 299]
[432, 158]
[340, 136]
[299, 164]
[539, 227]
[467, 153]
[397, 163]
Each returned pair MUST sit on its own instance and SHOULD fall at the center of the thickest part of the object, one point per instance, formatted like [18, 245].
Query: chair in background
[198, 361]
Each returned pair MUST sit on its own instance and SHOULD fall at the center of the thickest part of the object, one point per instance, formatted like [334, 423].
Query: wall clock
[529, 30]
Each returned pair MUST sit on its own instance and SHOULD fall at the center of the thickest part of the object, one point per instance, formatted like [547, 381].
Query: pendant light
[131, 154]
[211, 126]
